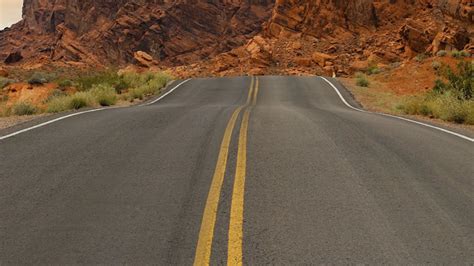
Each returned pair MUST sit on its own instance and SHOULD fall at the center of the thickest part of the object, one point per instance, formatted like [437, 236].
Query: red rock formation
[235, 36]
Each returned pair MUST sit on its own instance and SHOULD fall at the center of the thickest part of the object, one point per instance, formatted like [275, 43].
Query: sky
[10, 12]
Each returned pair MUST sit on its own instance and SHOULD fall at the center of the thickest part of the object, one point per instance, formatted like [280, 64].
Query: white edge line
[80, 113]
[52, 121]
[397, 117]
[164, 95]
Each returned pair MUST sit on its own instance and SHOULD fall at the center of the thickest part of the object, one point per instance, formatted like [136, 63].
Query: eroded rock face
[170, 31]
[232, 36]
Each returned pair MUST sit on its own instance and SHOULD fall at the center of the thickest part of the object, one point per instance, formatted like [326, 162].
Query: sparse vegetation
[459, 54]
[451, 98]
[40, 78]
[104, 95]
[5, 82]
[441, 53]
[64, 84]
[373, 70]
[24, 108]
[361, 80]
[421, 57]
[104, 88]
[80, 100]
[436, 65]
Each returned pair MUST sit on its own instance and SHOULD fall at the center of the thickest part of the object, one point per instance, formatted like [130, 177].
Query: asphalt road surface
[267, 170]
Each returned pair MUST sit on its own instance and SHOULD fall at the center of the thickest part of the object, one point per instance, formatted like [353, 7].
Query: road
[267, 170]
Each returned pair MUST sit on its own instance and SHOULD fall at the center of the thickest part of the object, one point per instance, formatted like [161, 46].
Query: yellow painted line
[249, 98]
[236, 230]
[206, 233]
[234, 255]
[256, 92]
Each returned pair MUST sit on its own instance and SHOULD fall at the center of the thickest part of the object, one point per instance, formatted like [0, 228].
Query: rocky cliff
[232, 37]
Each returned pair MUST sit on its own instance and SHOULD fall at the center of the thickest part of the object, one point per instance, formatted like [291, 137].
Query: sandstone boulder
[143, 59]
[321, 58]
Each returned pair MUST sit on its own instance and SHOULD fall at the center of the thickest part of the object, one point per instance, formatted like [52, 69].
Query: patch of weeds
[421, 57]
[105, 95]
[5, 82]
[24, 108]
[80, 100]
[64, 84]
[436, 65]
[441, 53]
[40, 78]
[87, 81]
[459, 54]
[373, 70]
[58, 104]
[361, 80]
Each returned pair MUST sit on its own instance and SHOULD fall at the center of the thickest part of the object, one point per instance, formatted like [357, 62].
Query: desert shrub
[80, 100]
[104, 95]
[87, 81]
[465, 54]
[5, 82]
[58, 104]
[436, 65]
[395, 65]
[460, 82]
[373, 70]
[456, 54]
[40, 78]
[421, 57]
[65, 83]
[4, 98]
[361, 80]
[24, 108]
[121, 86]
[441, 53]
[451, 98]
[55, 94]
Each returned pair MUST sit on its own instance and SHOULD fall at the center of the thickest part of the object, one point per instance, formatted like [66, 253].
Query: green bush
[58, 104]
[65, 83]
[460, 83]
[456, 54]
[436, 65]
[105, 95]
[87, 81]
[24, 108]
[80, 100]
[373, 70]
[361, 80]
[421, 57]
[5, 82]
[40, 78]
[442, 53]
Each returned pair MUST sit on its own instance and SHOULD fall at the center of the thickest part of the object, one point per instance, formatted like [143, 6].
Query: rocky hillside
[235, 37]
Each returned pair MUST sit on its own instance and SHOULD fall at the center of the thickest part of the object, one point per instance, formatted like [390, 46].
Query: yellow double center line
[206, 233]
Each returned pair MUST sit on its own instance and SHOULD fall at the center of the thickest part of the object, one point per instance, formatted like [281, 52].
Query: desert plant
[361, 80]
[65, 83]
[105, 95]
[460, 82]
[421, 57]
[441, 53]
[459, 54]
[87, 81]
[436, 65]
[58, 104]
[80, 100]
[5, 82]
[24, 108]
[373, 70]
[38, 78]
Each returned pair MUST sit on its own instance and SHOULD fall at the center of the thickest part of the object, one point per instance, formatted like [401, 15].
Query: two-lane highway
[252, 170]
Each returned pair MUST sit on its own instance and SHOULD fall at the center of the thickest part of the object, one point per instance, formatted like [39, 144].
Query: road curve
[267, 170]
